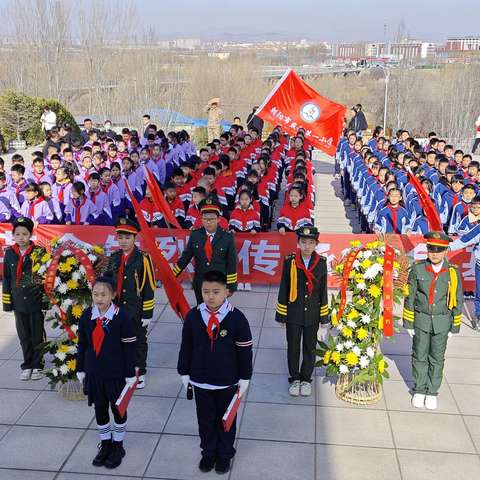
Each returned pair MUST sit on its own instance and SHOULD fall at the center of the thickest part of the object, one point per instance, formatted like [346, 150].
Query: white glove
[146, 322]
[81, 376]
[449, 334]
[185, 380]
[242, 387]
[411, 332]
[130, 381]
[323, 332]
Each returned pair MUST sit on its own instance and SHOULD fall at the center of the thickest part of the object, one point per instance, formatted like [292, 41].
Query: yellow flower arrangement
[361, 301]
[97, 249]
[347, 332]
[352, 315]
[72, 364]
[366, 263]
[380, 260]
[381, 365]
[65, 267]
[334, 319]
[326, 357]
[72, 284]
[77, 311]
[71, 261]
[36, 267]
[362, 334]
[46, 257]
[355, 243]
[63, 348]
[336, 357]
[351, 359]
[374, 291]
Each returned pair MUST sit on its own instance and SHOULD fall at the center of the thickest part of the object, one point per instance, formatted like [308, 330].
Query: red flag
[172, 287]
[293, 104]
[159, 200]
[434, 222]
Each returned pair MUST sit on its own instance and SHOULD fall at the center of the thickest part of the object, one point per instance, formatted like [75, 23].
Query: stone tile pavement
[44, 437]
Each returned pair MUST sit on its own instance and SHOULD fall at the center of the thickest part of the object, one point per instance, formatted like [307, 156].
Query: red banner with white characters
[293, 104]
[259, 256]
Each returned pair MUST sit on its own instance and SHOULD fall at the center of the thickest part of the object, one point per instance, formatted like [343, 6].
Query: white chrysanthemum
[356, 350]
[370, 352]
[42, 269]
[365, 319]
[63, 369]
[54, 372]
[395, 274]
[356, 264]
[57, 282]
[72, 349]
[76, 275]
[348, 344]
[66, 253]
[68, 302]
[343, 368]
[360, 254]
[367, 253]
[351, 324]
[62, 288]
[373, 271]
[92, 257]
[361, 286]
[74, 329]
[61, 356]
[364, 361]
[339, 347]
[82, 269]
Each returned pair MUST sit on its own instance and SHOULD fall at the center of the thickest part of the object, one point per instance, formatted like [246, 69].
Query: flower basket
[364, 393]
[71, 390]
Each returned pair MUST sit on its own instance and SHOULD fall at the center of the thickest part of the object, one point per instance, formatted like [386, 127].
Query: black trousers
[211, 406]
[31, 333]
[141, 348]
[295, 335]
[102, 416]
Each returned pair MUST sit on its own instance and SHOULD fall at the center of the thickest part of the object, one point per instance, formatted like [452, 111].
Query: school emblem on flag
[309, 112]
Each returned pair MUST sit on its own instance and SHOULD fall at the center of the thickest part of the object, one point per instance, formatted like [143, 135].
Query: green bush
[21, 113]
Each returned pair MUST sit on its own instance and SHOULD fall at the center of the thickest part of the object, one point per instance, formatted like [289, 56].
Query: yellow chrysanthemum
[396, 265]
[65, 268]
[72, 284]
[339, 268]
[380, 260]
[46, 257]
[351, 274]
[352, 315]
[63, 348]
[355, 243]
[71, 261]
[362, 334]
[336, 357]
[36, 267]
[366, 263]
[374, 244]
[334, 319]
[326, 357]
[77, 311]
[406, 290]
[359, 277]
[374, 291]
[361, 301]
[34, 256]
[351, 359]
[72, 364]
[381, 365]
[54, 240]
[347, 332]
[97, 249]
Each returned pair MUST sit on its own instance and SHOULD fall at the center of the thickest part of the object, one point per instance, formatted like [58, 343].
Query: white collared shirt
[109, 314]
[306, 260]
[438, 267]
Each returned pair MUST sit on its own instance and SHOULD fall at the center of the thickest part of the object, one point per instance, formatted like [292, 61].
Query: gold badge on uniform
[123, 221]
[306, 231]
[223, 333]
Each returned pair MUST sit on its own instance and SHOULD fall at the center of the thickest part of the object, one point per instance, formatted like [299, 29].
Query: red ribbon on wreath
[388, 260]
[344, 285]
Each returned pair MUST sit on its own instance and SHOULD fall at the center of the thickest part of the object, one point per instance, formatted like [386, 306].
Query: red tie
[60, 193]
[213, 322]
[78, 204]
[208, 248]
[121, 268]
[431, 293]
[19, 272]
[98, 335]
[394, 218]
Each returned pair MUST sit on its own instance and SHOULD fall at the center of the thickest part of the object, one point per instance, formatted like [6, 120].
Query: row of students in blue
[375, 179]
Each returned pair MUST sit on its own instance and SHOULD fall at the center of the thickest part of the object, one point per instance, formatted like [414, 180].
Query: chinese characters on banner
[260, 257]
[293, 104]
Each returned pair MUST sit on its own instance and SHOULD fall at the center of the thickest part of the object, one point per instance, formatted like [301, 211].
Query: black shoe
[104, 450]
[222, 466]
[117, 452]
[206, 464]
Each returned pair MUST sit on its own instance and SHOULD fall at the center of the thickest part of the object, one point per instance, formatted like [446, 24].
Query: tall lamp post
[387, 77]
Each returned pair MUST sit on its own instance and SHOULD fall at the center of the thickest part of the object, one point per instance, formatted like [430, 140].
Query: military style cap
[437, 241]
[126, 225]
[309, 231]
[23, 222]
[209, 206]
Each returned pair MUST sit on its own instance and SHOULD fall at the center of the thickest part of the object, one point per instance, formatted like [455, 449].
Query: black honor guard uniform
[211, 251]
[25, 299]
[135, 286]
[303, 305]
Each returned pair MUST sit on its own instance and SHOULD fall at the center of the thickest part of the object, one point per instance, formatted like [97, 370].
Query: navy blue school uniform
[215, 366]
[106, 372]
[392, 220]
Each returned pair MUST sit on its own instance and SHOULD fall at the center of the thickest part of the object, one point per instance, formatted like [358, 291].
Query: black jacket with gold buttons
[224, 256]
[138, 285]
[295, 305]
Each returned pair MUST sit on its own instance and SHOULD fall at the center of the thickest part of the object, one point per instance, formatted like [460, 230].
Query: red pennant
[388, 260]
[434, 222]
[346, 273]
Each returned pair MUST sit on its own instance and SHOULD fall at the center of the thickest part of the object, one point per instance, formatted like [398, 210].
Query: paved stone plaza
[45, 437]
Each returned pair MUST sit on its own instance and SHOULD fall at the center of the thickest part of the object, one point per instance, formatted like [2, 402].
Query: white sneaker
[294, 389]
[240, 286]
[305, 389]
[418, 400]
[248, 287]
[431, 402]
[141, 382]
[26, 374]
[37, 374]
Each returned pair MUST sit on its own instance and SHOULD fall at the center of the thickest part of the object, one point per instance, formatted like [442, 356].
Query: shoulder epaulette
[289, 256]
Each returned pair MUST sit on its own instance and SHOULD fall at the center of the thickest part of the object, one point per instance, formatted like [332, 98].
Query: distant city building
[349, 50]
[376, 49]
[463, 44]
[406, 50]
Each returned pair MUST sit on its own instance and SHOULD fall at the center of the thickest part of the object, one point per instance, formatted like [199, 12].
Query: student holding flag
[105, 364]
[212, 248]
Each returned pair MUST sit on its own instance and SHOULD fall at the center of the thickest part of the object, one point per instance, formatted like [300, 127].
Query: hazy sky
[331, 20]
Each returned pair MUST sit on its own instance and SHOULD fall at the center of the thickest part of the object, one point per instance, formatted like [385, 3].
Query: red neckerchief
[105, 188]
[212, 322]
[18, 188]
[121, 268]
[93, 195]
[78, 204]
[21, 258]
[98, 335]
[38, 176]
[393, 211]
[31, 206]
[431, 293]
[62, 191]
[308, 272]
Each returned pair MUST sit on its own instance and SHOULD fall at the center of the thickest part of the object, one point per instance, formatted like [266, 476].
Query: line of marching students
[375, 180]
[82, 181]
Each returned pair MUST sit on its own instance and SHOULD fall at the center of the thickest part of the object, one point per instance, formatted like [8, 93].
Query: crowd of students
[376, 179]
[81, 181]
